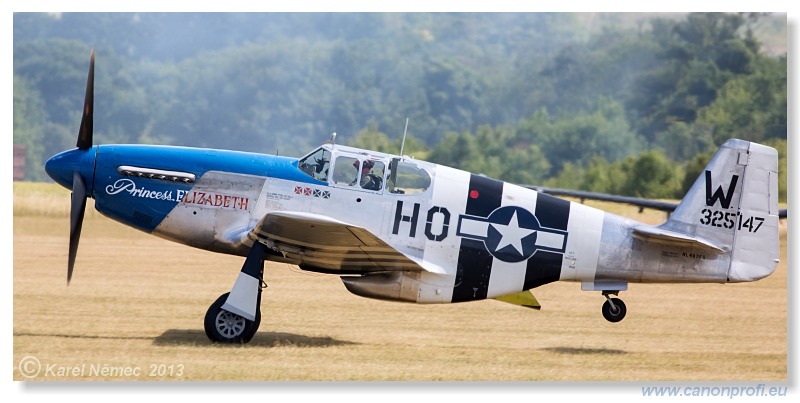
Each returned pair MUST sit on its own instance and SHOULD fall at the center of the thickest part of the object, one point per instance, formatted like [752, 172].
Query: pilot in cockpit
[369, 180]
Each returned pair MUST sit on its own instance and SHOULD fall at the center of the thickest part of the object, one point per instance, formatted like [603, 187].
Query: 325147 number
[714, 218]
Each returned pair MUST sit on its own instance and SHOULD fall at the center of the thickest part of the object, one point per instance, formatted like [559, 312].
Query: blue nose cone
[61, 167]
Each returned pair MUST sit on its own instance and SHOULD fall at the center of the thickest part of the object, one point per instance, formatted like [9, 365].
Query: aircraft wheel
[227, 327]
[614, 315]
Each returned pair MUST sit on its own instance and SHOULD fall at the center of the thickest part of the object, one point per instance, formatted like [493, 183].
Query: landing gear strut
[235, 316]
[614, 309]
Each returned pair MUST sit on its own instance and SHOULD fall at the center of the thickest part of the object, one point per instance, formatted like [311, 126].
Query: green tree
[652, 175]
[372, 139]
[603, 132]
[603, 177]
[698, 56]
[751, 107]
[682, 141]
[571, 176]
[542, 83]
[494, 152]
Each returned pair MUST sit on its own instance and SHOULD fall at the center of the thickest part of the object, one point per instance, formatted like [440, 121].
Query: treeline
[629, 105]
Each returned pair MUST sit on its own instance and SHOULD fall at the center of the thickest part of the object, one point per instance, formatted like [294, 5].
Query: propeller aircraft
[400, 229]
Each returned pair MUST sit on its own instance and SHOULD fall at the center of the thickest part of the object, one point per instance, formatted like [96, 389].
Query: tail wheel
[614, 310]
[227, 327]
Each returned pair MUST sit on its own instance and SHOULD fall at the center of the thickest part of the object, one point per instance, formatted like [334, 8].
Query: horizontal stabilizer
[667, 237]
[524, 298]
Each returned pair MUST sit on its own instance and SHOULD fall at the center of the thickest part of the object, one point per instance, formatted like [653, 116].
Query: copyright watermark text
[759, 390]
[32, 368]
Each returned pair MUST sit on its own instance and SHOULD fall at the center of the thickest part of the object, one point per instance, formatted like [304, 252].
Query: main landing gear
[235, 316]
[227, 327]
[613, 309]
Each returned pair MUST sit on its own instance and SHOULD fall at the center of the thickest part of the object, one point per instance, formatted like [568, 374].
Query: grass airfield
[138, 302]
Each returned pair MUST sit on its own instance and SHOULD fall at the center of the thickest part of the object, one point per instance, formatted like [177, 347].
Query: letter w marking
[719, 194]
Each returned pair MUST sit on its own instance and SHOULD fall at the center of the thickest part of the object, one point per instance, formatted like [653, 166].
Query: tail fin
[733, 204]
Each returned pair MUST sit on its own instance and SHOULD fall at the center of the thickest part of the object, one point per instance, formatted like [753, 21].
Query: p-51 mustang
[399, 229]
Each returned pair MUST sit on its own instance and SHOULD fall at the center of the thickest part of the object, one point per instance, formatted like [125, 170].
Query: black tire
[614, 315]
[225, 327]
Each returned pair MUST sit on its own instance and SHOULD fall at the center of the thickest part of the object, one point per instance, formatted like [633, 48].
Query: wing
[664, 206]
[320, 243]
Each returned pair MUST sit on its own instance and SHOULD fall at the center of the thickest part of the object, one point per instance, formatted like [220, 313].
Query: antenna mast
[403, 144]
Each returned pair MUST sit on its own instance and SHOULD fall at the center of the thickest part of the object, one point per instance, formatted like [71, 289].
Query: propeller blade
[75, 219]
[85, 133]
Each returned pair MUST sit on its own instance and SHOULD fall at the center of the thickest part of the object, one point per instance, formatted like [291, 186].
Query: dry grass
[44, 199]
[138, 301]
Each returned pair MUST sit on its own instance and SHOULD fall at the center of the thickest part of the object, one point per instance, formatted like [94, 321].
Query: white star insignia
[512, 234]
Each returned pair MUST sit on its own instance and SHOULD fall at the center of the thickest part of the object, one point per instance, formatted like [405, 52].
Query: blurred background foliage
[632, 104]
